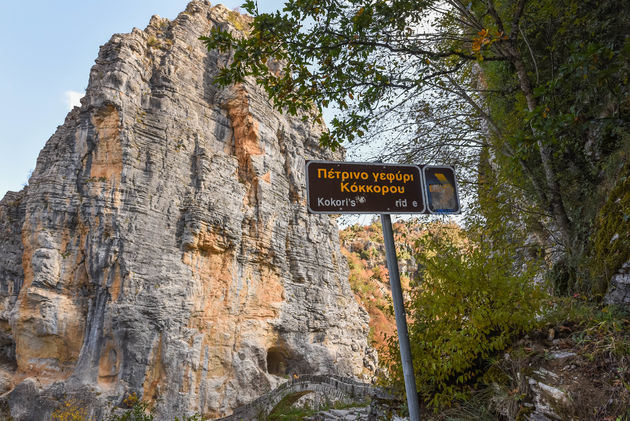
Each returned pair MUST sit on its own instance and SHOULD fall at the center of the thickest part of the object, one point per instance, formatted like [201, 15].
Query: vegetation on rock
[135, 409]
[480, 328]
[470, 304]
[362, 245]
[579, 351]
[611, 241]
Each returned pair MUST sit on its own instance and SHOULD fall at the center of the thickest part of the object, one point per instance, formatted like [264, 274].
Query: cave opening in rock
[7, 350]
[276, 361]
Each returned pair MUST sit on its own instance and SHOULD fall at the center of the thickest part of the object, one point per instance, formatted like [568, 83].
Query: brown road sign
[354, 187]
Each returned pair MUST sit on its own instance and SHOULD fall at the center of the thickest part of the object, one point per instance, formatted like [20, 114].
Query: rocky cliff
[163, 246]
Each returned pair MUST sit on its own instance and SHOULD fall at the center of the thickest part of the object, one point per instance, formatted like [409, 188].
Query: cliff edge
[163, 246]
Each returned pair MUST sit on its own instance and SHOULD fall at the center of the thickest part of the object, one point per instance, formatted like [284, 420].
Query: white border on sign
[382, 164]
[426, 195]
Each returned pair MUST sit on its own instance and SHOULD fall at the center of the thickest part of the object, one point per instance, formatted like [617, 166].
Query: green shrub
[473, 300]
[137, 410]
[195, 417]
[611, 242]
[153, 42]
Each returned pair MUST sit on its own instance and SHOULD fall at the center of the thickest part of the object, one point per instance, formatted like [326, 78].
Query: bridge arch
[335, 386]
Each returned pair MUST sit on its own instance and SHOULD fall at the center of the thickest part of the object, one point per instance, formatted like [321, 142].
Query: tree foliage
[472, 301]
[536, 89]
[530, 98]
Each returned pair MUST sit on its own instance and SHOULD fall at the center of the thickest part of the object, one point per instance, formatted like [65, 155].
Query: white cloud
[71, 98]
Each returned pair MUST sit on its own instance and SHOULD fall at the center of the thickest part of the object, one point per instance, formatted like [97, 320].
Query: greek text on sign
[351, 187]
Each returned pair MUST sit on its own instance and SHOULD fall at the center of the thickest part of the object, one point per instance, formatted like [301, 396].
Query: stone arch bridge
[336, 387]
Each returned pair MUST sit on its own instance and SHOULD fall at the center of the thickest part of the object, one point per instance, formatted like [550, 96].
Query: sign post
[401, 319]
[350, 187]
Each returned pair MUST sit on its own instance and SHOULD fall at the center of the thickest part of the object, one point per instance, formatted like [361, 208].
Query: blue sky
[48, 48]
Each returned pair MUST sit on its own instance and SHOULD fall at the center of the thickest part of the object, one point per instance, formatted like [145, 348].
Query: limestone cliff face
[163, 245]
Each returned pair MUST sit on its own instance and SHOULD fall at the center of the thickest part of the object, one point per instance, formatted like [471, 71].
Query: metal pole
[401, 321]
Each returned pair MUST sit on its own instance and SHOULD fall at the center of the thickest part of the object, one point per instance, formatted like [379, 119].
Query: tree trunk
[555, 196]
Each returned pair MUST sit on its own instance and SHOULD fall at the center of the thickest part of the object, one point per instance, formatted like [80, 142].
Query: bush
[137, 410]
[611, 242]
[70, 410]
[473, 300]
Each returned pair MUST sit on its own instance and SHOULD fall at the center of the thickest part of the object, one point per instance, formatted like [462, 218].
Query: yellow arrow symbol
[441, 177]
